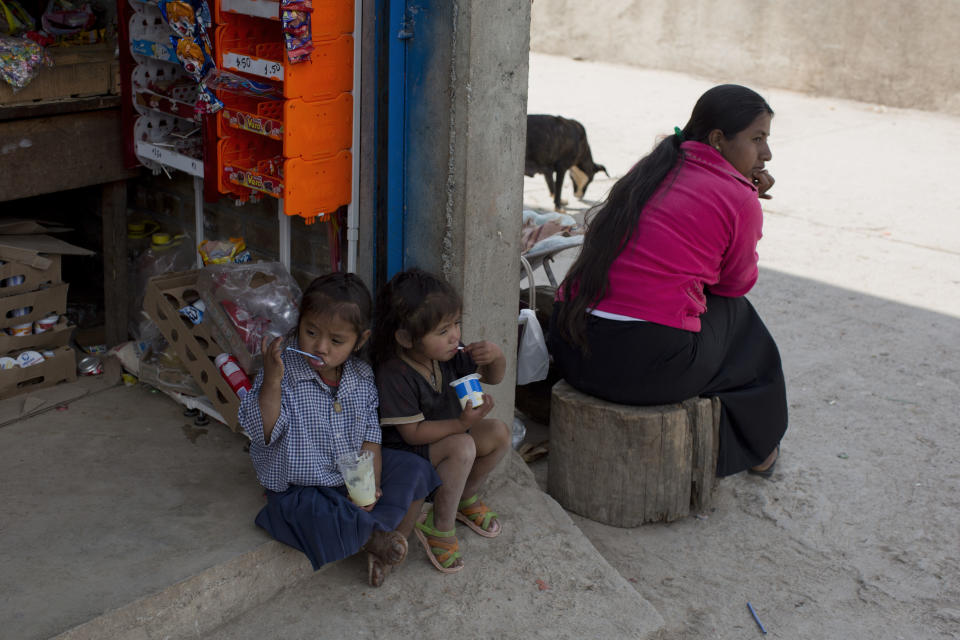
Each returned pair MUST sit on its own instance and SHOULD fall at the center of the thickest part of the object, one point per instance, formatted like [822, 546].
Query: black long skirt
[733, 357]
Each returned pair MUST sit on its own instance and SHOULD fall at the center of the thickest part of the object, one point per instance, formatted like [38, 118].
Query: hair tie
[677, 132]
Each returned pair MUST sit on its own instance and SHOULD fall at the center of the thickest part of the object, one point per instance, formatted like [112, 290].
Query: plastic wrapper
[21, 60]
[176, 254]
[297, 30]
[247, 301]
[224, 251]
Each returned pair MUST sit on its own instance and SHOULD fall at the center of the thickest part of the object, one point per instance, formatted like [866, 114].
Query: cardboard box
[32, 277]
[62, 367]
[59, 336]
[194, 344]
[39, 304]
[77, 72]
[36, 250]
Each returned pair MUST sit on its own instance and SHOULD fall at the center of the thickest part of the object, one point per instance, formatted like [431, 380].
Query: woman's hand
[763, 181]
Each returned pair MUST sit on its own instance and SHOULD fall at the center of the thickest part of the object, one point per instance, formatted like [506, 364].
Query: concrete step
[126, 521]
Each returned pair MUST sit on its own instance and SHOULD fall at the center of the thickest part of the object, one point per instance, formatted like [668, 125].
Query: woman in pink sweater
[653, 310]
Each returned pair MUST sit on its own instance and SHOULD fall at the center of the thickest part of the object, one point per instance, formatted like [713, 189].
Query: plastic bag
[247, 301]
[533, 359]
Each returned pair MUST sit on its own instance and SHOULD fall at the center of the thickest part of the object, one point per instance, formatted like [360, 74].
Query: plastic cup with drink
[468, 388]
[357, 471]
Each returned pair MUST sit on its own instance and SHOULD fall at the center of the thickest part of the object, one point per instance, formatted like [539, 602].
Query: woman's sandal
[476, 515]
[768, 472]
[442, 553]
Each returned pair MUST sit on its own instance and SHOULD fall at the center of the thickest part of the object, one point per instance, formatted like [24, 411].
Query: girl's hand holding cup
[471, 414]
[370, 506]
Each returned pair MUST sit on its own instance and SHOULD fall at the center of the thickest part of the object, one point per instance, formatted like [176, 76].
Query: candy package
[224, 251]
[21, 61]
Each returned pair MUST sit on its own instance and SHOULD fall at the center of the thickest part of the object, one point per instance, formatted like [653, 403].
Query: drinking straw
[756, 619]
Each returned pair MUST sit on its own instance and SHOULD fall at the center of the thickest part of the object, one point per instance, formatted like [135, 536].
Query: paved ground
[860, 284]
[119, 505]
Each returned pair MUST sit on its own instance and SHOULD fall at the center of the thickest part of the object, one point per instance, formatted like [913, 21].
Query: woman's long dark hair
[611, 224]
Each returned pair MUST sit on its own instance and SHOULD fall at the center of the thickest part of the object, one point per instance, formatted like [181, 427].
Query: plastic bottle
[233, 374]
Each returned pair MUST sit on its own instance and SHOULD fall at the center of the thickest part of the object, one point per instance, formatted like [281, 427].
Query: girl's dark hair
[343, 295]
[415, 301]
[611, 224]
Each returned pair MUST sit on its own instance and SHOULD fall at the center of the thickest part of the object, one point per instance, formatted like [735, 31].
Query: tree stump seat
[626, 465]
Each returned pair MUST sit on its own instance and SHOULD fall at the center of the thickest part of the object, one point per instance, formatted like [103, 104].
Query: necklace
[336, 388]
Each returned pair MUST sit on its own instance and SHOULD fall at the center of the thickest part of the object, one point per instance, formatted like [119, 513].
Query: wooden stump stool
[624, 465]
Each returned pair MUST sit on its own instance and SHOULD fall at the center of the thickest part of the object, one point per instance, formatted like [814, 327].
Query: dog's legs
[551, 187]
[558, 204]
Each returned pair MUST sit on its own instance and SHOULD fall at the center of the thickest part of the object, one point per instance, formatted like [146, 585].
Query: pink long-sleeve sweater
[698, 232]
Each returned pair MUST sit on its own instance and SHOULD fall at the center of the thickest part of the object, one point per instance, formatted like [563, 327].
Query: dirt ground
[856, 535]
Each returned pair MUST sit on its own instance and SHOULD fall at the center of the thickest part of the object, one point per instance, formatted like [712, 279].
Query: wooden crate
[77, 72]
[194, 344]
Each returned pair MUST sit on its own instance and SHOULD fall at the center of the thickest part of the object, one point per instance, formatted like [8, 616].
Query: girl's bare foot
[388, 546]
[377, 570]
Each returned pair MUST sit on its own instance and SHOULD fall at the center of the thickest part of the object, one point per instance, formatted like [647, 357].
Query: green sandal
[442, 554]
[476, 515]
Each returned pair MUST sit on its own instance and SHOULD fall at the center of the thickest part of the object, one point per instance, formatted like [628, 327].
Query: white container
[46, 324]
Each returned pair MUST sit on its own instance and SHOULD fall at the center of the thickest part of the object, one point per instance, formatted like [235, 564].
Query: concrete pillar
[466, 114]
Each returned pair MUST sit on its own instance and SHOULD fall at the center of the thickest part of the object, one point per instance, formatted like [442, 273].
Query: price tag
[170, 158]
[255, 66]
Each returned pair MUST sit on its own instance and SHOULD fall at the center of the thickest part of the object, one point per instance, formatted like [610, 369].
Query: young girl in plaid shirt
[306, 410]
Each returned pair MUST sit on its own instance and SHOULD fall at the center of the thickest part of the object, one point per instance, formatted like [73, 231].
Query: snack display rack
[297, 149]
[287, 130]
[165, 134]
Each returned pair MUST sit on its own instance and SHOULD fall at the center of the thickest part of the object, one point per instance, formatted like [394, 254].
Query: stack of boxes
[34, 332]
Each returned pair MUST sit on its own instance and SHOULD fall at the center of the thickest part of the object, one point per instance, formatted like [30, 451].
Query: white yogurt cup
[468, 388]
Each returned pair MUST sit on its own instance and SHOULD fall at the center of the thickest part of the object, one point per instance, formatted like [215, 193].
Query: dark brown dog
[554, 146]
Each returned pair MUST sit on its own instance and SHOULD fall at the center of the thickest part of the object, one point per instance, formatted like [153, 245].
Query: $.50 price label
[256, 66]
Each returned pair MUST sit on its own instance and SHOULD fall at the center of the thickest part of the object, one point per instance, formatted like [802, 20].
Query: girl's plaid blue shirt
[310, 433]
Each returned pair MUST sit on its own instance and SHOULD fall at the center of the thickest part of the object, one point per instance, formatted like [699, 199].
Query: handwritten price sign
[255, 66]
[170, 158]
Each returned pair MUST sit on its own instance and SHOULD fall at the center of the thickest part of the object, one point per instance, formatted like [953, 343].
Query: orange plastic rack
[298, 148]
[330, 18]
[310, 188]
[255, 46]
[307, 129]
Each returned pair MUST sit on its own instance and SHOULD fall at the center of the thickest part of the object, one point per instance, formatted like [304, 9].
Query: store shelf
[169, 158]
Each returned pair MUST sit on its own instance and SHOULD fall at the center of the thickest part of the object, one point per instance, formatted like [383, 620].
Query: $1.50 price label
[256, 66]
